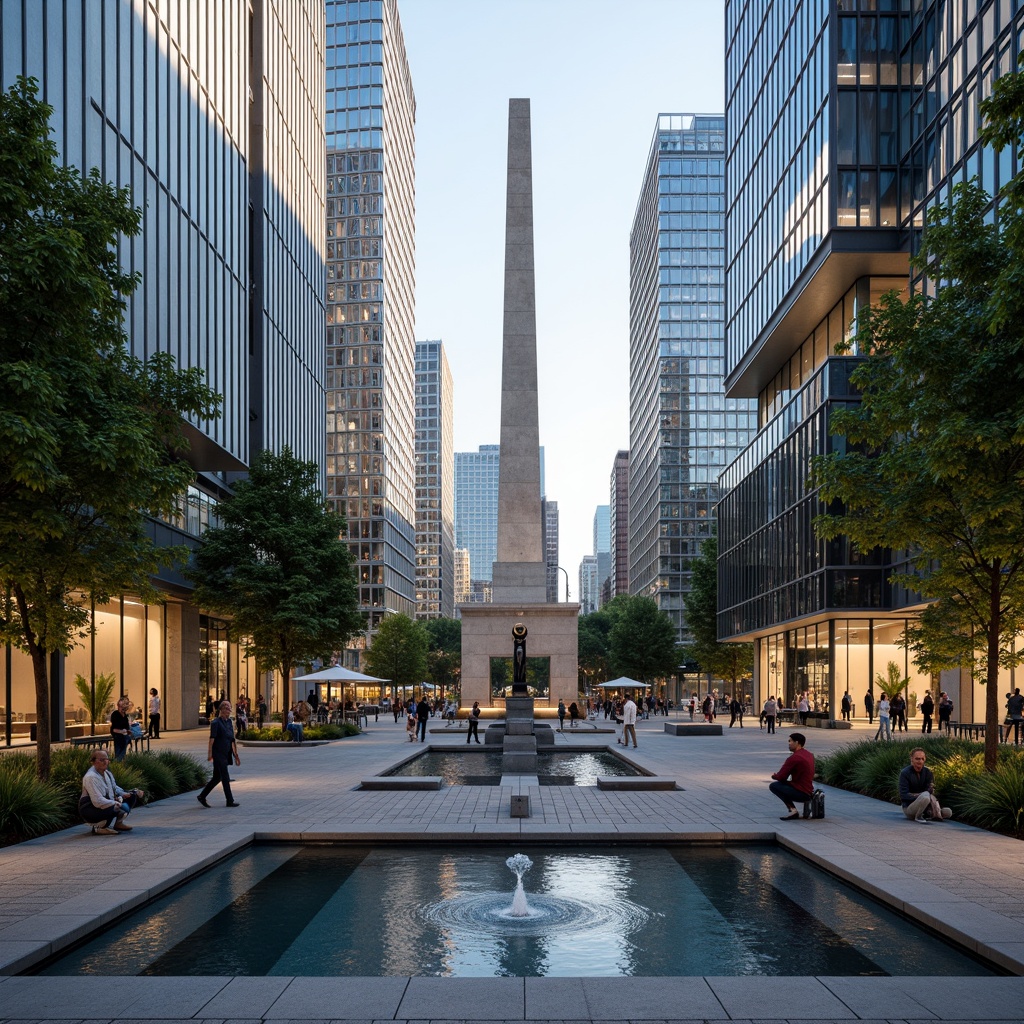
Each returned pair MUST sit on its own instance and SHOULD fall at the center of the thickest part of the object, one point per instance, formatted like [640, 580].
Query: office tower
[371, 113]
[590, 587]
[462, 577]
[549, 547]
[212, 114]
[618, 525]
[435, 490]
[828, 180]
[476, 512]
[602, 546]
[683, 431]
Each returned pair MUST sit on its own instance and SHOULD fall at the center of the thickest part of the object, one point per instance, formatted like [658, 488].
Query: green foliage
[592, 644]
[189, 773]
[312, 732]
[993, 800]
[642, 641]
[893, 681]
[877, 771]
[68, 766]
[836, 768]
[161, 779]
[16, 762]
[444, 652]
[28, 807]
[96, 699]
[91, 440]
[277, 568]
[728, 661]
[399, 651]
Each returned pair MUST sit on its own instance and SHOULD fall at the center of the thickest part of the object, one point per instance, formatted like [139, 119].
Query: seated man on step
[917, 791]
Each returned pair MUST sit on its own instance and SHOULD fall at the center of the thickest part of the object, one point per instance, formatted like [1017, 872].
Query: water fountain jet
[519, 864]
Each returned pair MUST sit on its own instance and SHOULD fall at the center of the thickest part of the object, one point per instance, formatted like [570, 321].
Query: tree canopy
[642, 641]
[277, 568]
[444, 651]
[728, 661]
[91, 443]
[399, 651]
[934, 459]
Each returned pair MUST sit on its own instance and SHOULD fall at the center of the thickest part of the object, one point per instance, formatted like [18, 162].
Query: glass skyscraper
[683, 430]
[618, 524]
[435, 493]
[370, 384]
[212, 113]
[845, 123]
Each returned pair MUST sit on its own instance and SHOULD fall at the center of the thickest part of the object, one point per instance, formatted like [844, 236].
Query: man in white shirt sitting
[103, 802]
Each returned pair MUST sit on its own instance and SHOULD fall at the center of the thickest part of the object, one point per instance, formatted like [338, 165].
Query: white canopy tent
[623, 683]
[338, 674]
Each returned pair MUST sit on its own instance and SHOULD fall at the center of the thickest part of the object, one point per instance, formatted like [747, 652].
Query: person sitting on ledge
[794, 781]
[917, 791]
[103, 802]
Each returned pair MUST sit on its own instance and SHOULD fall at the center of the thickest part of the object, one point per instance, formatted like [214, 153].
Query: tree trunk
[38, 656]
[992, 674]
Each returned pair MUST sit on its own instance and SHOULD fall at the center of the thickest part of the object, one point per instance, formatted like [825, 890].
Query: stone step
[519, 728]
[520, 743]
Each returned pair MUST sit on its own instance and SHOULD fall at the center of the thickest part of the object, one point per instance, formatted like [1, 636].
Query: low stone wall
[694, 729]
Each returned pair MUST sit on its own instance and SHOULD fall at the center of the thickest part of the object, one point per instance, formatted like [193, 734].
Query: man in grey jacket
[103, 802]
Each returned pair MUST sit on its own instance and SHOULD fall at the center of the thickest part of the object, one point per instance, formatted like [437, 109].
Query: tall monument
[519, 588]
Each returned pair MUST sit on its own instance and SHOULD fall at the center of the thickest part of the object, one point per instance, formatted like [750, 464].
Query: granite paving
[958, 880]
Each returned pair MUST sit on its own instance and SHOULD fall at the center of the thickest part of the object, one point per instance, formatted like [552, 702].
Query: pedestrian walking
[220, 750]
[474, 723]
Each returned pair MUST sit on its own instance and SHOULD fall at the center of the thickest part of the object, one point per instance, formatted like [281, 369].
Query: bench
[696, 729]
[136, 743]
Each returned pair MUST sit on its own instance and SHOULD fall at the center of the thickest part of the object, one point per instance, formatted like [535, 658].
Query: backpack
[815, 807]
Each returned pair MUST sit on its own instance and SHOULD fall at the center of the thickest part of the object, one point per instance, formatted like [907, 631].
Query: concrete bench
[635, 783]
[695, 729]
[402, 782]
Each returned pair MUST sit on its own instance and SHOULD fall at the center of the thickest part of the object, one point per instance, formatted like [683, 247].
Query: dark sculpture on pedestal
[519, 660]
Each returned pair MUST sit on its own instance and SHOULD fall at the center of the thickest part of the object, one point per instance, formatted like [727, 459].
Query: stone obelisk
[519, 592]
[519, 574]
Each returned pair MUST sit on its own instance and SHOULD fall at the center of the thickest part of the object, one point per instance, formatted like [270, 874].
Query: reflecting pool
[484, 767]
[443, 912]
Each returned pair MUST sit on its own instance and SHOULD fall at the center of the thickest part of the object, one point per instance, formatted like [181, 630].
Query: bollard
[520, 806]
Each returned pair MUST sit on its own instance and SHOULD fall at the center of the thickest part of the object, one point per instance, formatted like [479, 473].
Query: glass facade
[549, 545]
[212, 113]
[435, 491]
[683, 430]
[371, 347]
[618, 524]
[854, 146]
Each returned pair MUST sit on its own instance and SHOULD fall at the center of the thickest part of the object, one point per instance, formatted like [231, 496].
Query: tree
[729, 661]
[277, 568]
[95, 697]
[399, 651]
[933, 459]
[91, 444]
[642, 641]
[444, 652]
[592, 645]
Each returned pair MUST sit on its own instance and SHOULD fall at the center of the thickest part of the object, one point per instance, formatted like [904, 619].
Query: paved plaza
[958, 880]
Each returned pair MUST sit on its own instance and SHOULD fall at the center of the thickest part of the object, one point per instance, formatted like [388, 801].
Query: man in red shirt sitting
[795, 779]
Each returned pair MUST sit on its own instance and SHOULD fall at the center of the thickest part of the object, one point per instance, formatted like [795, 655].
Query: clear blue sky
[597, 73]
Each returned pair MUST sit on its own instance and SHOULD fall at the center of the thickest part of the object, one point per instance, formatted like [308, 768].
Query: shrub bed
[990, 801]
[30, 808]
[311, 732]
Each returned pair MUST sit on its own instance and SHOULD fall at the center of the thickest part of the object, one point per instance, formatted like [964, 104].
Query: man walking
[422, 717]
[628, 723]
[220, 750]
[771, 711]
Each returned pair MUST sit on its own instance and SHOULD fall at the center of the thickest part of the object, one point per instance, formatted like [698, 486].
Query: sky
[597, 73]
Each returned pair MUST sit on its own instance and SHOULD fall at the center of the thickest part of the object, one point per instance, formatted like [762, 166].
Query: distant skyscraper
[618, 525]
[371, 112]
[602, 546]
[683, 430]
[435, 491]
[590, 587]
[476, 510]
[462, 577]
[549, 544]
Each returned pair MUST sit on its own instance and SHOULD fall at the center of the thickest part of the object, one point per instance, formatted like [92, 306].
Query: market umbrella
[624, 683]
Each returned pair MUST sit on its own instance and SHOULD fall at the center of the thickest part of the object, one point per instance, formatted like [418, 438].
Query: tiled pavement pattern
[960, 880]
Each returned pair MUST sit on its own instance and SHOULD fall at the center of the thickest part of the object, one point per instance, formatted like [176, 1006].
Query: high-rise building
[462, 577]
[219, 134]
[549, 545]
[590, 587]
[602, 546]
[371, 114]
[435, 490]
[476, 512]
[828, 179]
[682, 429]
[618, 525]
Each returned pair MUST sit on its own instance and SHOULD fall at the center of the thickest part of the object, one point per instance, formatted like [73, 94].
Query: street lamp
[551, 565]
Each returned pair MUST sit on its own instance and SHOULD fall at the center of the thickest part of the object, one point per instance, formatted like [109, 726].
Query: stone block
[694, 729]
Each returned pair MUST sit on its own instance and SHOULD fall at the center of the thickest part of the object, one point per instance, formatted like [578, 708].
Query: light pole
[551, 565]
